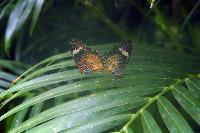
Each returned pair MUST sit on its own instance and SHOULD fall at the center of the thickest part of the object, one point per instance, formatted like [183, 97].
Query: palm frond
[97, 104]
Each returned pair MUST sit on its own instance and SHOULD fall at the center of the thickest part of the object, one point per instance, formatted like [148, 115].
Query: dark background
[165, 24]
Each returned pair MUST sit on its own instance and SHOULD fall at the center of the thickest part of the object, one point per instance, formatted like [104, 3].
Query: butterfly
[87, 60]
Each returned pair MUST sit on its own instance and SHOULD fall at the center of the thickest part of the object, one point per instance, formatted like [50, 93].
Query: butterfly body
[88, 60]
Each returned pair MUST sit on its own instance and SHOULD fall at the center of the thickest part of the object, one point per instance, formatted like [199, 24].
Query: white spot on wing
[75, 51]
[125, 53]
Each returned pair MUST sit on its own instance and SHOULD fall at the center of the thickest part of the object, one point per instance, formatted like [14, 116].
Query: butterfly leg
[85, 69]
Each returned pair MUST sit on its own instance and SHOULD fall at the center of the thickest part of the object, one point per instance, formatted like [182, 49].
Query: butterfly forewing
[85, 58]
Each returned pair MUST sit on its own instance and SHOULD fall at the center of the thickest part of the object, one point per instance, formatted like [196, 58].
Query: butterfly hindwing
[117, 59]
[86, 59]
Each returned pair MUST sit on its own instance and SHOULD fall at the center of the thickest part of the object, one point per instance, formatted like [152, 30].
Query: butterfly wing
[118, 58]
[86, 59]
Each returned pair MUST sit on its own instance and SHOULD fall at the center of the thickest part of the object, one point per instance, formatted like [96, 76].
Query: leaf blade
[172, 118]
[193, 85]
[17, 19]
[101, 125]
[188, 102]
[149, 124]
[36, 12]
[84, 103]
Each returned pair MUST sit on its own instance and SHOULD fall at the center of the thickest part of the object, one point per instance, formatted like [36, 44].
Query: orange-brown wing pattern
[118, 58]
[86, 59]
[90, 62]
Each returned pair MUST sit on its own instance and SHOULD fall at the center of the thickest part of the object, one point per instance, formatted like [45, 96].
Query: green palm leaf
[149, 124]
[172, 118]
[97, 104]
[188, 102]
[193, 86]
[19, 16]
